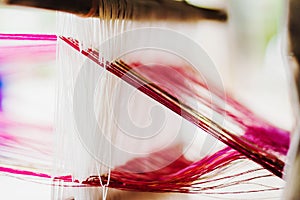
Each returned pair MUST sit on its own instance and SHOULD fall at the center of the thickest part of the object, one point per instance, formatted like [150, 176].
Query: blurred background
[28, 88]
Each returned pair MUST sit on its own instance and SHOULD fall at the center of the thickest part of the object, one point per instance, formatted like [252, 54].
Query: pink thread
[44, 37]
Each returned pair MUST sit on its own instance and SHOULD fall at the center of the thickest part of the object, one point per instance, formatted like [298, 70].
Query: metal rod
[127, 9]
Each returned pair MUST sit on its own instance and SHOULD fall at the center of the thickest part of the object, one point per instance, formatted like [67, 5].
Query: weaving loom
[140, 107]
